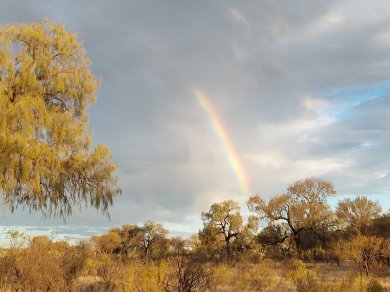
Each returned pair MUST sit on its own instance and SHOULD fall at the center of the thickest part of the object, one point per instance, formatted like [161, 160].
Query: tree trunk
[146, 254]
[227, 248]
[297, 240]
[366, 267]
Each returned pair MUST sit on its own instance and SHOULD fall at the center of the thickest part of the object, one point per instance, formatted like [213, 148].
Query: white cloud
[238, 17]
[334, 17]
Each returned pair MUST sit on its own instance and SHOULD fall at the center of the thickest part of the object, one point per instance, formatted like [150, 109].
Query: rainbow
[222, 133]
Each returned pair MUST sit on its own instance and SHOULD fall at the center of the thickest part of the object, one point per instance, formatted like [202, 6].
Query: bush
[186, 274]
[375, 286]
[289, 265]
[303, 279]
[262, 277]
[150, 276]
[109, 270]
[223, 275]
[40, 264]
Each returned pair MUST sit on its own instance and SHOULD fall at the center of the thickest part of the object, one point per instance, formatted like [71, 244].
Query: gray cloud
[285, 80]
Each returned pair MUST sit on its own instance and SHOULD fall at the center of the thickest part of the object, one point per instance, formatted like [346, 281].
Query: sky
[203, 101]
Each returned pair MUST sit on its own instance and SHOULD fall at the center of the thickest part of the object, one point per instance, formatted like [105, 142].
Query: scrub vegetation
[293, 242]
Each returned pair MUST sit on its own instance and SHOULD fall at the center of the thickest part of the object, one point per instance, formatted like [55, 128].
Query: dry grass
[265, 276]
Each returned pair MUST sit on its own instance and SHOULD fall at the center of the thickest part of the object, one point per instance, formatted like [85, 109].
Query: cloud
[302, 89]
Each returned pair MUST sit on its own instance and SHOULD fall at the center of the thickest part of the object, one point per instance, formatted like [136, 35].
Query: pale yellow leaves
[45, 157]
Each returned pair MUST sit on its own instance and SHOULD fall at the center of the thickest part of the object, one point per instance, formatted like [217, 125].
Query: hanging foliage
[46, 158]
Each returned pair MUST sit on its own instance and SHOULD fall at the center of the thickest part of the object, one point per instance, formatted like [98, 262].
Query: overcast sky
[302, 88]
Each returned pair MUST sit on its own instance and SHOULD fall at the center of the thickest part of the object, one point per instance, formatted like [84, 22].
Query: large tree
[226, 220]
[358, 212]
[302, 209]
[46, 158]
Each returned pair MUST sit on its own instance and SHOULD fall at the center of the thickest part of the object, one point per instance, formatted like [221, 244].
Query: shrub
[149, 276]
[304, 279]
[40, 264]
[262, 277]
[186, 274]
[375, 286]
[109, 270]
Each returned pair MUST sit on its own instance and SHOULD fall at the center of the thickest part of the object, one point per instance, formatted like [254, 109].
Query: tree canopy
[358, 212]
[225, 219]
[303, 208]
[46, 158]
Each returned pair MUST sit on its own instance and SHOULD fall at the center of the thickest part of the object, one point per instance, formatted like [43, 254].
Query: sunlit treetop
[46, 160]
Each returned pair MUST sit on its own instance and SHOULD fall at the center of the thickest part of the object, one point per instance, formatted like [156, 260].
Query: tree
[177, 246]
[134, 241]
[379, 226]
[226, 219]
[132, 236]
[366, 252]
[46, 159]
[208, 244]
[274, 236]
[153, 233]
[358, 212]
[108, 243]
[303, 208]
